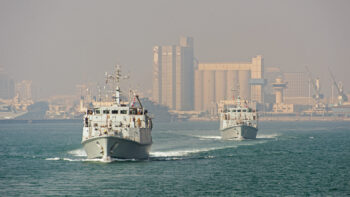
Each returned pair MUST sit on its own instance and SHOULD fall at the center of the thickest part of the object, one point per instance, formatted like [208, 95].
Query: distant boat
[117, 130]
[238, 121]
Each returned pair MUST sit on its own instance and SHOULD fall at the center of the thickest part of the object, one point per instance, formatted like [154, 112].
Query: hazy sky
[58, 44]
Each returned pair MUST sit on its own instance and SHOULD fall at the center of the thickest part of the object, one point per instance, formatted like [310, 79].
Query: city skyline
[59, 44]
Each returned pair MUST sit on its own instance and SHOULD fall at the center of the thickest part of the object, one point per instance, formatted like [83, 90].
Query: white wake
[208, 137]
[78, 152]
[180, 153]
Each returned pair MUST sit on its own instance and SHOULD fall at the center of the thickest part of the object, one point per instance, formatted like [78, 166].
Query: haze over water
[187, 159]
[58, 44]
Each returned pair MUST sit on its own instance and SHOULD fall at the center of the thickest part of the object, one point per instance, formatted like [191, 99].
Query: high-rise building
[24, 90]
[216, 81]
[7, 86]
[173, 75]
[297, 91]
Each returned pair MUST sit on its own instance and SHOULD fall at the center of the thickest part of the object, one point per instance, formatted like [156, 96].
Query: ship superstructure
[238, 121]
[120, 130]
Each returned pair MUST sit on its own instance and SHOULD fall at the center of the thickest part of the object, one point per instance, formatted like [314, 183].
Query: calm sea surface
[187, 159]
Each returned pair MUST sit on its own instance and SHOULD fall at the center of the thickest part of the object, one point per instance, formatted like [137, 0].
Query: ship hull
[239, 132]
[106, 147]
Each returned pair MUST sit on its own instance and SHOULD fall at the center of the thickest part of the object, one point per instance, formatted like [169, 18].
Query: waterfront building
[298, 88]
[173, 68]
[280, 107]
[270, 74]
[215, 82]
[24, 90]
[7, 86]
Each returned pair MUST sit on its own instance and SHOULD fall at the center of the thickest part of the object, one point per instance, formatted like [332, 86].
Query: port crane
[339, 86]
[319, 106]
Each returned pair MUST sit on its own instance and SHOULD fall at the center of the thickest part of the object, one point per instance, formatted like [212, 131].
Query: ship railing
[134, 123]
[134, 135]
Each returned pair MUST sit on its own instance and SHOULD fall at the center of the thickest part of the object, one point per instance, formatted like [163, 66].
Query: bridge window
[238, 110]
[97, 111]
[89, 111]
[133, 111]
[105, 111]
[114, 111]
[123, 111]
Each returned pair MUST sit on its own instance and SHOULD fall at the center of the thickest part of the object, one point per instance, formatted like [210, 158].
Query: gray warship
[120, 130]
[238, 121]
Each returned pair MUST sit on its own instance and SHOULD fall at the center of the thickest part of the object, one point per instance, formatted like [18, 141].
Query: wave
[267, 136]
[157, 155]
[208, 137]
[53, 159]
[171, 153]
[103, 160]
[181, 153]
[62, 159]
[78, 152]
[215, 137]
[109, 160]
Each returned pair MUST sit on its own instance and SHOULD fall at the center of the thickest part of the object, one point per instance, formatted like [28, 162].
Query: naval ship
[120, 130]
[238, 121]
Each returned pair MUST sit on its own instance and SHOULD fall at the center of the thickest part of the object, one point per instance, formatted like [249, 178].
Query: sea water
[187, 159]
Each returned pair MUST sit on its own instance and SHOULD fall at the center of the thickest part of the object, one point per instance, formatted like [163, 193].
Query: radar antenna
[235, 91]
[115, 79]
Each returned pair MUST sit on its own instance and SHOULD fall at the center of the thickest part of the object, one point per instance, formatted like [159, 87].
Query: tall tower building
[279, 87]
[280, 107]
[7, 86]
[173, 72]
[24, 90]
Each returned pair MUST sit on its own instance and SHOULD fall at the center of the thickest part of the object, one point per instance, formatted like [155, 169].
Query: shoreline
[287, 119]
[304, 119]
[261, 119]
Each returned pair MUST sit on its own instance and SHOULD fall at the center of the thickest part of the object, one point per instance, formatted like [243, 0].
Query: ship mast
[235, 95]
[116, 77]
